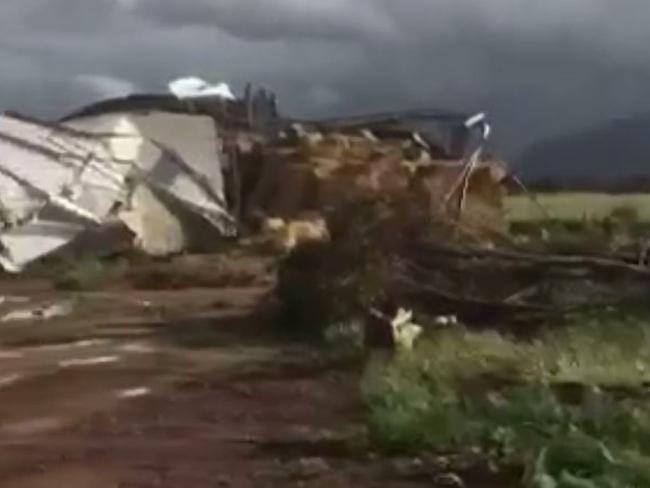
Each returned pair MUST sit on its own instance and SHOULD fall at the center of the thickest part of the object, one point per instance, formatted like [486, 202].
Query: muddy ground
[185, 388]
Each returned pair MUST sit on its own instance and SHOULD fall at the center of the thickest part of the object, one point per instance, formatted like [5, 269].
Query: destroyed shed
[180, 171]
[434, 160]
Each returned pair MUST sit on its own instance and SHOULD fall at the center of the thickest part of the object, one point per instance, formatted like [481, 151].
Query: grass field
[575, 206]
[571, 405]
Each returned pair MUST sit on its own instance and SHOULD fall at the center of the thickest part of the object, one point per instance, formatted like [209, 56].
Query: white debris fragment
[475, 119]
[299, 130]
[369, 135]
[71, 363]
[11, 355]
[91, 343]
[18, 315]
[39, 313]
[445, 320]
[479, 119]
[12, 299]
[417, 137]
[402, 318]
[193, 87]
[137, 348]
[405, 332]
[57, 310]
[30, 427]
[70, 345]
[134, 393]
[10, 380]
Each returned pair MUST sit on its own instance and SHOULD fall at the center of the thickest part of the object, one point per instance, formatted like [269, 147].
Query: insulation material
[193, 87]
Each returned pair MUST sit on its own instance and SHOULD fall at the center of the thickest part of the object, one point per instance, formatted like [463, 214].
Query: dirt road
[178, 388]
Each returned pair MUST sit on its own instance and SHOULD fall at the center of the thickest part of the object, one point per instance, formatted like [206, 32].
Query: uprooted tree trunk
[320, 284]
[386, 253]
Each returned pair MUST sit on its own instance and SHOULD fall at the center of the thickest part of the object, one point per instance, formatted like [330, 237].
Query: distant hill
[618, 150]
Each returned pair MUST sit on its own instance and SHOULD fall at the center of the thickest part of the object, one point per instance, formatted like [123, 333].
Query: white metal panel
[28, 242]
[158, 232]
[56, 181]
[179, 154]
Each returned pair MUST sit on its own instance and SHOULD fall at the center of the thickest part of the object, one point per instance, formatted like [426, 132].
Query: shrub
[320, 284]
[345, 338]
[506, 398]
[87, 273]
[625, 215]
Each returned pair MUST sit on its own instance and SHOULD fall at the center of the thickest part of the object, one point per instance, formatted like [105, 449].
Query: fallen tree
[385, 253]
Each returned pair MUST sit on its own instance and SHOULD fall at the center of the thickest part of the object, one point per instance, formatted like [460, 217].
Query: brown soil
[178, 388]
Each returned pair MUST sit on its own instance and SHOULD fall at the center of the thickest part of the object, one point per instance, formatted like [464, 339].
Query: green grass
[576, 206]
[569, 406]
[86, 273]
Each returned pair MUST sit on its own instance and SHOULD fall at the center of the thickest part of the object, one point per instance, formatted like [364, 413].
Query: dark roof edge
[169, 102]
[130, 103]
[391, 116]
[58, 126]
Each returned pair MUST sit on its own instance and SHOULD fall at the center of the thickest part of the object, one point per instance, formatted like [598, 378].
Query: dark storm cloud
[62, 16]
[539, 67]
[267, 20]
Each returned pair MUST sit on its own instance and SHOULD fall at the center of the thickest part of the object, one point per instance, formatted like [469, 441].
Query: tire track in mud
[47, 387]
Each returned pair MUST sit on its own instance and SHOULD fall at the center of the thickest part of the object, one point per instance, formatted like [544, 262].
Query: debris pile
[393, 210]
[312, 168]
[58, 180]
[172, 172]
[382, 258]
[158, 172]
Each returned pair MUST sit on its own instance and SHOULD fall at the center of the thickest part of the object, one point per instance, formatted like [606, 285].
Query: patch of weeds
[88, 273]
[613, 351]
[505, 398]
[176, 277]
[345, 338]
[625, 215]
[407, 413]
[320, 284]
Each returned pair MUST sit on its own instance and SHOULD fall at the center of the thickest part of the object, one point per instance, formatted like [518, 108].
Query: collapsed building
[179, 173]
[434, 159]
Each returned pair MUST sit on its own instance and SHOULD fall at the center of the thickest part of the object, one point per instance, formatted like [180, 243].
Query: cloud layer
[538, 67]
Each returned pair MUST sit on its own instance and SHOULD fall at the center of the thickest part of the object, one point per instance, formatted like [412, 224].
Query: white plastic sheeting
[56, 182]
[193, 87]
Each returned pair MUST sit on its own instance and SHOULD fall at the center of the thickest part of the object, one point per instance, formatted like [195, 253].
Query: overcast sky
[538, 67]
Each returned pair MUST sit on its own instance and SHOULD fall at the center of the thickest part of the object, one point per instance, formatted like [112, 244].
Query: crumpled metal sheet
[178, 154]
[157, 230]
[57, 181]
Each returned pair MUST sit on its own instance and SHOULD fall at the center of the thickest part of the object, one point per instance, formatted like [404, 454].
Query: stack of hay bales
[308, 172]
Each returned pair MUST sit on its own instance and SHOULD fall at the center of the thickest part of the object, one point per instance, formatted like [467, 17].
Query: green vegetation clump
[323, 284]
[86, 273]
[569, 407]
[625, 215]
[579, 223]
[578, 206]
